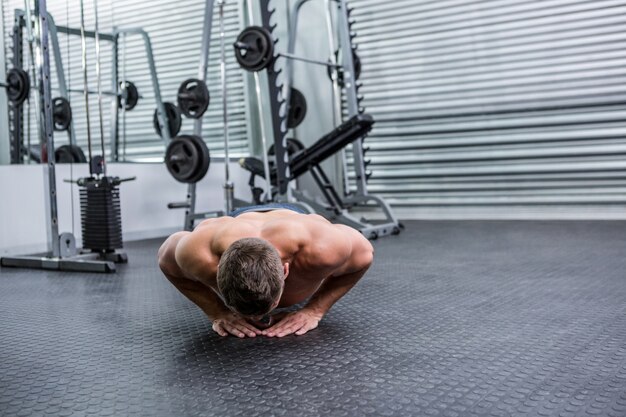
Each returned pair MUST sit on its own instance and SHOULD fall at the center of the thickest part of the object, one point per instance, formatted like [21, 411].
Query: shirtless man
[239, 268]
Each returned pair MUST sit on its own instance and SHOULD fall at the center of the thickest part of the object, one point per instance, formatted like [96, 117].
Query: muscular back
[313, 248]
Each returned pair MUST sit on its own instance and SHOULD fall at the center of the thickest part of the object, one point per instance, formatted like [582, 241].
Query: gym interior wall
[496, 109]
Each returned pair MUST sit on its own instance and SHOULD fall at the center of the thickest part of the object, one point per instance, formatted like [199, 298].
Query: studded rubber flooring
[453, 319]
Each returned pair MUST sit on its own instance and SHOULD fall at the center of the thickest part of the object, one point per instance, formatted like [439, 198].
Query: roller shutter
[495, 104]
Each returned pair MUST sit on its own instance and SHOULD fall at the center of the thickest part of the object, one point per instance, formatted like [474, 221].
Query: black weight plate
[132, 95]
[183, 158]
[17, 85]
[67, 154]
[205, 160]
[193, 98]
[293, 146]
[63, 155]
[297, 108]
[61, 114]
[258, 52]
[79, 155]
[172, 114]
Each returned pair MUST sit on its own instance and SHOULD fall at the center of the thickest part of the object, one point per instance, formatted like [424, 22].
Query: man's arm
[358, 255]
[182, 258]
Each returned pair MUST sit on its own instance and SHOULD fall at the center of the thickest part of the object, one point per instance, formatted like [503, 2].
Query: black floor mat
[453, 319]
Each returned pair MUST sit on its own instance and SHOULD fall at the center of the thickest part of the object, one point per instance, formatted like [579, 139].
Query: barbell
[254, 50]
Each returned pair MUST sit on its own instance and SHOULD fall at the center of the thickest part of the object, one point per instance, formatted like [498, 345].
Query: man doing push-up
[239, 268]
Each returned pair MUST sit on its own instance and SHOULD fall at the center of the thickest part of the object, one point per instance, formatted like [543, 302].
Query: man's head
[251, 276]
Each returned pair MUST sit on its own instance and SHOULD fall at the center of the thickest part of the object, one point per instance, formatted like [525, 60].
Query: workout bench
[309, 160]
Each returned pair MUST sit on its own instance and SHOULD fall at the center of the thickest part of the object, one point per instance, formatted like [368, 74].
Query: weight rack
[16, 121]
[337, 209]
[62, 253]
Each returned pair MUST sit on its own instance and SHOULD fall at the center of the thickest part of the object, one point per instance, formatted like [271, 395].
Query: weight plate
[68, 154]
[205, 161]
[172, 114]
[17, 85]
[193, 98]
[254, 48]
[61, 114]
[293, 146]
[132, 95]
[186, 158]
[297, 108]
[63, 155]
[79, 155]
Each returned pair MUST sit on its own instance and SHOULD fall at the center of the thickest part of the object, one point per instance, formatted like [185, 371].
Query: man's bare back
[322, 262]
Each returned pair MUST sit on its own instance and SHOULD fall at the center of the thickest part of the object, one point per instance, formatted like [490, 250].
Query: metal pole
[291, 47]
[350, 91]
[114, 126]
[99, 87]
[125, 99]
[309, 60]
[43, 66]
[35, 52]
[58, 61]
[337, 113]
[228, 185]
[83, 42]
[204, 57]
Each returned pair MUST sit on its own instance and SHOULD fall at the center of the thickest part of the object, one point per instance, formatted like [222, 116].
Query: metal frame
[338, 208]
[161, 114]
[16, 112]
[54, 30]
[190, 203]
[61, 254]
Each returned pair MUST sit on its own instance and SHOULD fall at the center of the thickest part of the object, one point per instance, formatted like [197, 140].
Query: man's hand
[231, 323]
[298, 322]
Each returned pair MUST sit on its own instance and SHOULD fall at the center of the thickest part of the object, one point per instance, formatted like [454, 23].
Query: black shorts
[267, 207]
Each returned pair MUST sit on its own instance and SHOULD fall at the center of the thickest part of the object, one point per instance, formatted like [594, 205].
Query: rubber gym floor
[453, 319]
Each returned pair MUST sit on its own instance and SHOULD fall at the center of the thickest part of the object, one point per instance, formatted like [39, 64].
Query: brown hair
[250, 276]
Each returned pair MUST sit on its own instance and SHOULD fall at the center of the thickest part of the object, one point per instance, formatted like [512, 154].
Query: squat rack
[337, 208]
[16, 119]
[62, 253]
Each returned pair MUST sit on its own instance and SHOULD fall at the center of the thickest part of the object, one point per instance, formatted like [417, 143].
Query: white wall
[144, 201]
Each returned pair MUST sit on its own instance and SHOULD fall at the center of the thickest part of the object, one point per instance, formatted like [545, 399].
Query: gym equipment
[191, 216]
[297, 108]
[193, 98]
[17, 85]
[61, 114]
[357, 68]
[62, 253]
[123, 90]
[254, 50]
[69, 154]
[187, 158]
[293, 147]
[172, 116]
[302, 159]
[128, 96]
[100, 214]
[229, 187]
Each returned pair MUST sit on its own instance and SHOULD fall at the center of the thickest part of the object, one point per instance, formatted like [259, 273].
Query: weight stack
[101, 216]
